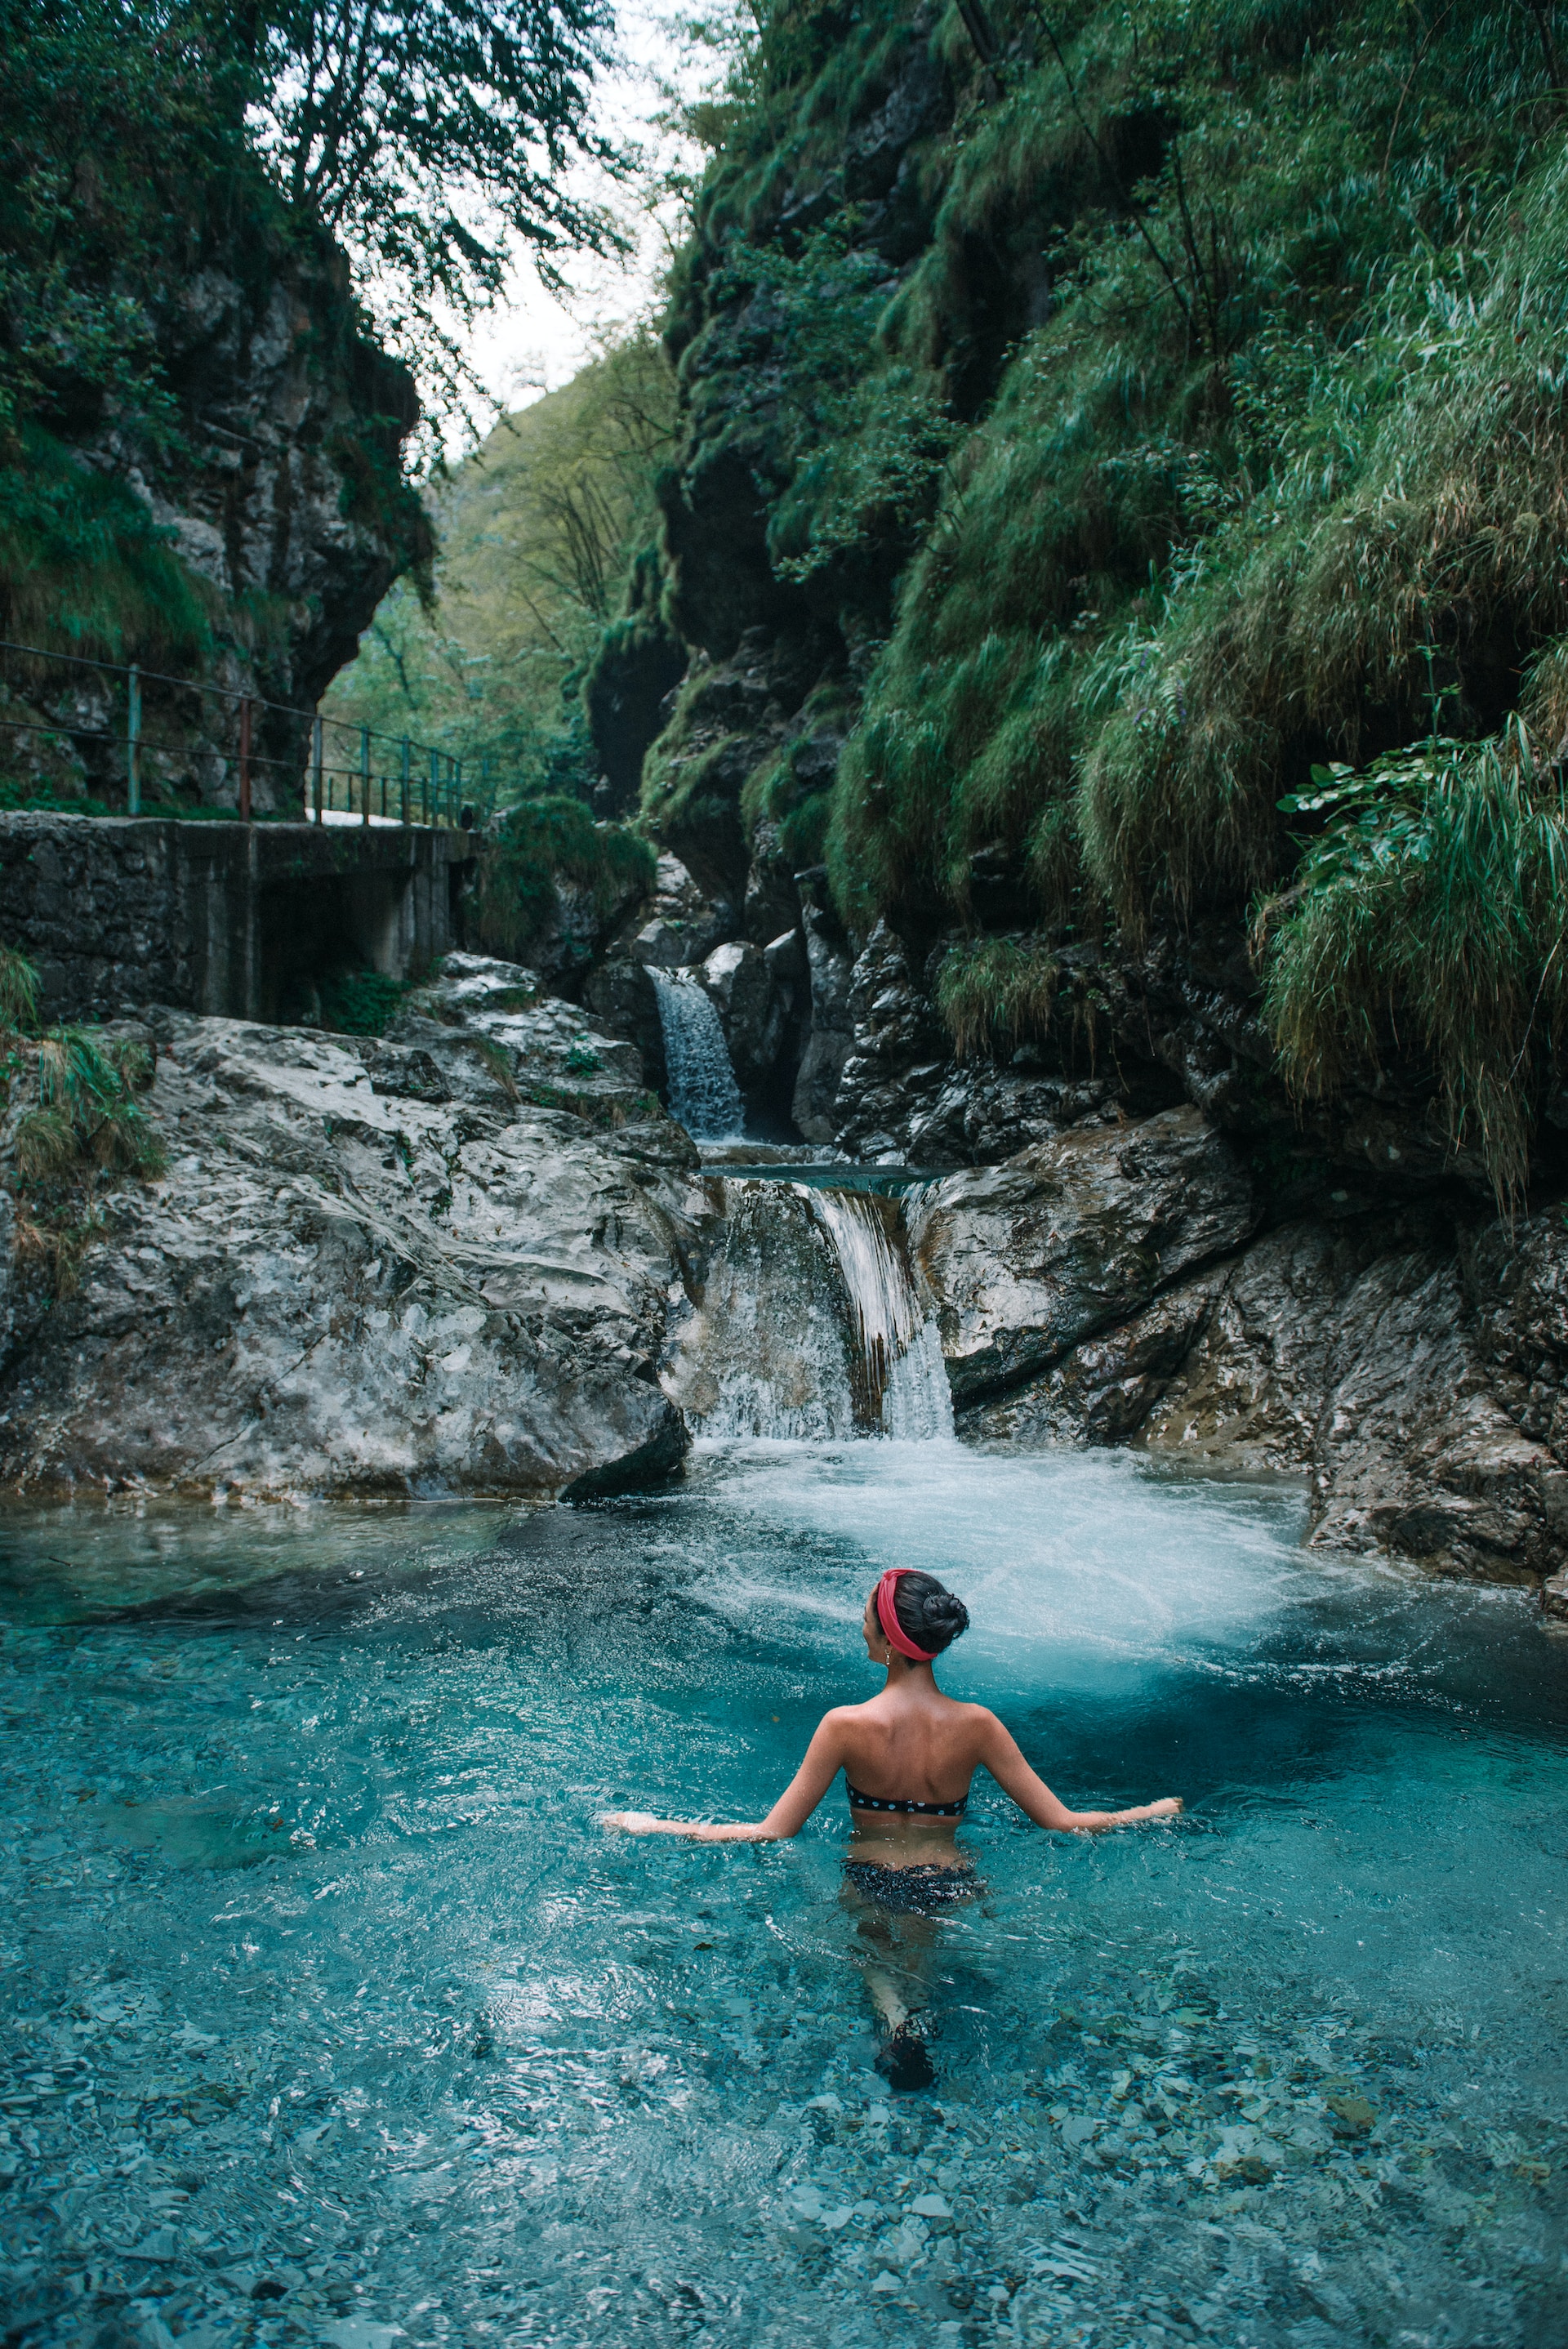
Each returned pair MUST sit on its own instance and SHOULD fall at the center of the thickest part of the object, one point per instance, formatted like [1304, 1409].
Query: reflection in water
[321, 1983]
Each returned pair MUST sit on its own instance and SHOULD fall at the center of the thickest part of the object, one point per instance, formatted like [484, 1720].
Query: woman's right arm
[789, 1814]
[999, 1753]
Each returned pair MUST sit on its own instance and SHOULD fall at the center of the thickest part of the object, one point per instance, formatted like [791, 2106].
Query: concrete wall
[240, 919]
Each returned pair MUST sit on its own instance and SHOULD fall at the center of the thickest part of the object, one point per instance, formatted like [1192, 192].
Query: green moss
[541, 842]
[84, 567]
[361, 1002]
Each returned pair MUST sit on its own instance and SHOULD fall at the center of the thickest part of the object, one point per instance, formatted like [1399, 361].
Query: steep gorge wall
[245, 548]
[1021, 568]
[1080, 447]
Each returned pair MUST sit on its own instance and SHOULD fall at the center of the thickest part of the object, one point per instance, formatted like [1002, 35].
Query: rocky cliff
[245, 544]
[1112, 1285]
[442, 1262]
[1022, 581]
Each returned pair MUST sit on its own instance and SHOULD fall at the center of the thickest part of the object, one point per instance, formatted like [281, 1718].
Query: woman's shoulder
[979, 1721]
[844, 1716]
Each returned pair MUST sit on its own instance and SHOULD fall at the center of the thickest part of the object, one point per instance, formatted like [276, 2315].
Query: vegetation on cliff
[536, 532]
[172, 174]
[71, 1116]
[1138, 408]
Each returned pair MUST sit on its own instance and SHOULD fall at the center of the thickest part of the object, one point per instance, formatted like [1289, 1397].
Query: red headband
[887, 1617]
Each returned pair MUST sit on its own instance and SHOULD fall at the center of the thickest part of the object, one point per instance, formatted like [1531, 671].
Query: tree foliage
[428, 134]
[425, 136]
[538, 529]
[123, 141]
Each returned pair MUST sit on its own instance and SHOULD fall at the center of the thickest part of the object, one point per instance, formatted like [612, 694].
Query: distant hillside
[536, 531]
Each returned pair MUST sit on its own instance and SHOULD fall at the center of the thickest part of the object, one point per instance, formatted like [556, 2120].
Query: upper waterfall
[703, 1095]
[810, 1325]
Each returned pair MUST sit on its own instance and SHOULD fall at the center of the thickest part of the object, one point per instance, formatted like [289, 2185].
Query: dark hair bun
[928, 1613]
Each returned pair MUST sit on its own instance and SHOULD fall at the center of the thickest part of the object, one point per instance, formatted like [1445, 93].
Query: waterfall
[703, 1095]
[896, 1348]
[808, 1325]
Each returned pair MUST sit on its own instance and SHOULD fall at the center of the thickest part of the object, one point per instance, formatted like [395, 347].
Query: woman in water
[908, 1756]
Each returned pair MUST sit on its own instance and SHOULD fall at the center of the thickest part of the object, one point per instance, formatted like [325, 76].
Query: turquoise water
[332, 2016]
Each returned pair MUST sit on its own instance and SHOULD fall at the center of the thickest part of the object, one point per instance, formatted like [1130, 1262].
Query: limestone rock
[898, 1057]
[621, 1000]
[737, 981]
[370, 1267]
[493, 1028]
[1355, 1355]
[829, 1036]
[1027, 1259]
[282, 488]
[676, 924]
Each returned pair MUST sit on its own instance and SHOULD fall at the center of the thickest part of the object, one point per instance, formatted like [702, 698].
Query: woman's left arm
[823, 1761]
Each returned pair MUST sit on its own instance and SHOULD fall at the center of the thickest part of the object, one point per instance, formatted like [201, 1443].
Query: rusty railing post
[133, 743]
[245, 759]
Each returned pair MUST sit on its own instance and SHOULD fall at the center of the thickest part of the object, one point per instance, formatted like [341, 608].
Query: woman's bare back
[898, 1748]
[908, 1743]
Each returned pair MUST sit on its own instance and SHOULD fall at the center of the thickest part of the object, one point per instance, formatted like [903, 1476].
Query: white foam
[1057, 1554]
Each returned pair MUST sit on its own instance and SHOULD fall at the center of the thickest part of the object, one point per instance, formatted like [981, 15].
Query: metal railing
[341, 787]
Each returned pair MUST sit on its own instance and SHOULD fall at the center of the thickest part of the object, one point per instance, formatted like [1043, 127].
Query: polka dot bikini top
[859, 1801]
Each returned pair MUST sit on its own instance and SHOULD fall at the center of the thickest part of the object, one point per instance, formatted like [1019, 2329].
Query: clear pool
[332, 2016]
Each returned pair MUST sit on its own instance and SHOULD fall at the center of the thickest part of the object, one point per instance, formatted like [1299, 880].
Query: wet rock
[1368, 1356]
[897, 1060]
[983, 1115]
[1104, 1390]
[739, 981]
[351, 1279]
[676, 924]
[1027, 1259]
[621, 999]
[770, 903]
[830, 1035]
[489, 1032]
[1353, 1354]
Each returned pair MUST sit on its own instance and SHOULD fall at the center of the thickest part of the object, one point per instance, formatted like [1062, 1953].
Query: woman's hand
[1165, 1808]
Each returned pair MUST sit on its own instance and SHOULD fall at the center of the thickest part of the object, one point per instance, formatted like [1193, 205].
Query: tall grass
[1429, 918]
[1225, 407]
[84, 567]
[994, 994]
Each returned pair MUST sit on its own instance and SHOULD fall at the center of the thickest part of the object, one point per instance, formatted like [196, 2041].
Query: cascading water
[902, 1376]
[810, 1326]
[703, 1095]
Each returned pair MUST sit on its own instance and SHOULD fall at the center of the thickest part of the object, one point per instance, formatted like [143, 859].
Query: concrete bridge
[240, 919]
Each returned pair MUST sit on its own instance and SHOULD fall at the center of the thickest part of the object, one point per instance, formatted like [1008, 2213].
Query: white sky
[535, 343]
